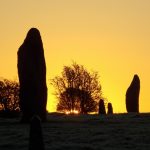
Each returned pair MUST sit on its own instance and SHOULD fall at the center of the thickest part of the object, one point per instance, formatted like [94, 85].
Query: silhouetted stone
[132, 95]
[102, 107]
[36, 139]
[110, 109]
[32, 77]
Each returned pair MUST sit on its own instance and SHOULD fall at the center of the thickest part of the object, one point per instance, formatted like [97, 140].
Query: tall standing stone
[132, 95]
[32, 77]
[102, 109]
[110, 109]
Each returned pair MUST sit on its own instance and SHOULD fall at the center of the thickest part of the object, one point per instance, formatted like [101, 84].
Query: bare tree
[77, 89]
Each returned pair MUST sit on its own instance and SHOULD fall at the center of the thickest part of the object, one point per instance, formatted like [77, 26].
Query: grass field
[81, 132]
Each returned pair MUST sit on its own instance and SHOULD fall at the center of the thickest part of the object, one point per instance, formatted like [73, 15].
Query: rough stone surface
[32, 77]
[36, 139]
[132, 95]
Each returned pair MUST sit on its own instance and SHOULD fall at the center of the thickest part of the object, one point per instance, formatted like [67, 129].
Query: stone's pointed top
[33, 31]
[136, 76]
[33, 36]
[136, 79]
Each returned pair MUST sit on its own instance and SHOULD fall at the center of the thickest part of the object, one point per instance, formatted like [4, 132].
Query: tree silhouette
[9, 95]
[132, 95]
[77, 89]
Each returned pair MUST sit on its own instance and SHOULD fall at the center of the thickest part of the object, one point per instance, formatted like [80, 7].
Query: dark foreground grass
[81, 132]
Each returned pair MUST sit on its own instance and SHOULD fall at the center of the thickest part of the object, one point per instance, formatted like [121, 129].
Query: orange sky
[108, 36]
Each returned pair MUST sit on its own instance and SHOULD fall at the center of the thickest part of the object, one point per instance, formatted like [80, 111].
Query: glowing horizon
[111, 37]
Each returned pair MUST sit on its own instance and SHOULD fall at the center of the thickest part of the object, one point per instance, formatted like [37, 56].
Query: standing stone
[32, 77]
[132, 95]
[36, 141]
[110, 109]
[102, 107]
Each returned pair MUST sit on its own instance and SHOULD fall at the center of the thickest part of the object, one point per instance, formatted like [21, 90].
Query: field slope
[81, 132]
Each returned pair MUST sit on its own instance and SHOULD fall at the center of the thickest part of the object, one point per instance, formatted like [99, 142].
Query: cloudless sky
[108, 36]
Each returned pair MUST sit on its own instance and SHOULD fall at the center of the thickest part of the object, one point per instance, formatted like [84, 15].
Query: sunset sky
[108, 36]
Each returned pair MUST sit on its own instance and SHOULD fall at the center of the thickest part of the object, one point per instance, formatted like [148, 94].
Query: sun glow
[72, 112]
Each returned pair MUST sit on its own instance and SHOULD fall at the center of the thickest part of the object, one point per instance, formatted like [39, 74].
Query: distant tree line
[76, 88]
[9, 95]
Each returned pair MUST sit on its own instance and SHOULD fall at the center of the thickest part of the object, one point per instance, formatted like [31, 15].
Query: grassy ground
[81, 132]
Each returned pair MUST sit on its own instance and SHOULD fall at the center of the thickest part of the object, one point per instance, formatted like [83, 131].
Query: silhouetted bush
[132, 95]
[9, 97]
[102, 109]
[36, 139]
[32, 77]
[110, 109]
[77, 89]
